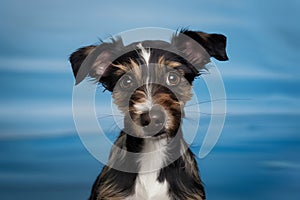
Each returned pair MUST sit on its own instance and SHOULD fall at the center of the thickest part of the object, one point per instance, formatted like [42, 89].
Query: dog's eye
[173, 78]
[126, 82]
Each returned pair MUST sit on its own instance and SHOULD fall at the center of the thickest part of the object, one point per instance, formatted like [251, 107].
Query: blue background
[41, 155]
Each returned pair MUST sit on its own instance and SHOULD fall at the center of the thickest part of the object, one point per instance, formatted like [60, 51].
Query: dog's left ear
[211, 45]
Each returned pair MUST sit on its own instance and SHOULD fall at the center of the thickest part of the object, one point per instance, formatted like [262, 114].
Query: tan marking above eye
[168, 63]
[122, 67]
[173, 63]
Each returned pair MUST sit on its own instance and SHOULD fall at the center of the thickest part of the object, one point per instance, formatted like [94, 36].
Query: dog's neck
[154, 154]
[153, 163]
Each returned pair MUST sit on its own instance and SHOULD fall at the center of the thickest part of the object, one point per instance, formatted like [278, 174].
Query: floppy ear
[211, 45]
[77, 58]
[93, 60]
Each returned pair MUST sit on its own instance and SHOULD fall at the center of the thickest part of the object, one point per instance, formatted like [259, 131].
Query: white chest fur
[148, 188]
[151, 161]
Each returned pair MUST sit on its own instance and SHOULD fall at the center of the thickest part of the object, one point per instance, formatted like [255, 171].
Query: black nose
[145, 119]
[155, 117]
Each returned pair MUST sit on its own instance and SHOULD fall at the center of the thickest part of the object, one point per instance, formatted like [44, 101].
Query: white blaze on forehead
[144, 53]
[144, 106]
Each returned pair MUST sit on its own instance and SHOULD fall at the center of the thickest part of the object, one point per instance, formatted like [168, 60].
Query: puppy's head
[150, 81]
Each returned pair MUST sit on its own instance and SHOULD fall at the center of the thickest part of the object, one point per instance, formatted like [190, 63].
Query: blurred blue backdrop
[257, 156]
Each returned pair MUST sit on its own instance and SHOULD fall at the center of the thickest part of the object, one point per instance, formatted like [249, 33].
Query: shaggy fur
[150, 82]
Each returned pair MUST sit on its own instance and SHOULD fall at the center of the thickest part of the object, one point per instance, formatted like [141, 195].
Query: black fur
[182, 173]
[214, 44]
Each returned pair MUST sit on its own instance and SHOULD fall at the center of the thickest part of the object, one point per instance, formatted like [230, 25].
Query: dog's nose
[154, 118]
[157, 117]
[145, 119]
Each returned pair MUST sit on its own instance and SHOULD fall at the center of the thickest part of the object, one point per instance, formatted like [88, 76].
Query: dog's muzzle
[153, 121]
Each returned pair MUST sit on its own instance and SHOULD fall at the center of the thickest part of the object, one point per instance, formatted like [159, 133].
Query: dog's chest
[147, 186]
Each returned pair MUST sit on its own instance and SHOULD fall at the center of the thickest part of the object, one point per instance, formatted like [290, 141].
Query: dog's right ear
[77, 58]
[198, 47]
[94, 60]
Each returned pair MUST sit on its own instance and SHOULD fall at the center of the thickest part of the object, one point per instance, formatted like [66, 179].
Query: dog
[150, 82]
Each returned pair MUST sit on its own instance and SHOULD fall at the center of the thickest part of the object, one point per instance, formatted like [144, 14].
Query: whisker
[205, 113]
[109, 115]
[216, 100]
[190, 119]
[115, 125]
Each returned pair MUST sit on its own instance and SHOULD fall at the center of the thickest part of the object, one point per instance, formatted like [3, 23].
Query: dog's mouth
[153, 134]
[160, 133]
